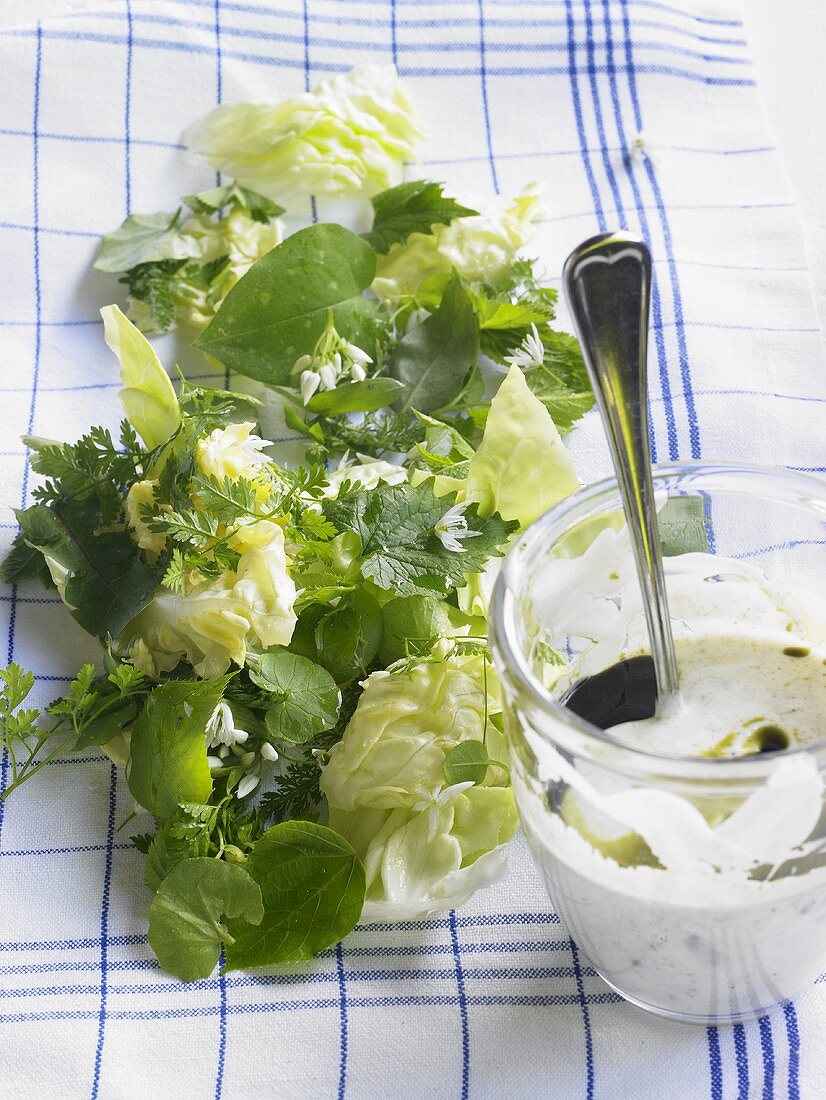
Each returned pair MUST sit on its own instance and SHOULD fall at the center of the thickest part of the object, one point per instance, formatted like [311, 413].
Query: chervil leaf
[280, 308]
[152, 284]
[414, 207]
[226, 500]
[400, 548]
[259, 208]
[433, 360]
[141, 239]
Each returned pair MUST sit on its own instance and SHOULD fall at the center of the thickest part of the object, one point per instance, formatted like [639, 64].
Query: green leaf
[561, 382]
[142, 238]
[412, 625]
[280, 308]
[108, 725]
[226, 500]
[259, 207]
[312, 885]
[414, 207]
[306, 696]
[153, 284]
[444, 450]
[108, 583]
[400, 549]
[168, 758]
[352, 397]
[348, 637]
[168, 849]
[467, 762]
[185, 917]
[683, 526]
[433, 360]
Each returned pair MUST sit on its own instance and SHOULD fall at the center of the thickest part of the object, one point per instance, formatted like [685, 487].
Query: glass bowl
[696, 884]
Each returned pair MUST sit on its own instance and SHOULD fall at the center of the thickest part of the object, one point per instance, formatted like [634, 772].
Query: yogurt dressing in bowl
[695, 883]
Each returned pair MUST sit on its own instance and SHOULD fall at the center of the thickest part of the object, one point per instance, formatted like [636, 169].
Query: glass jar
[696, 884]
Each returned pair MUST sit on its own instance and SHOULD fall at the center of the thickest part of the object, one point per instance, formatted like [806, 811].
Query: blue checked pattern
[493, 1000]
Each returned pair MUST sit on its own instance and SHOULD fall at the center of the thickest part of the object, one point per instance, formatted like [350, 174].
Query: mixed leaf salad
[294, 668]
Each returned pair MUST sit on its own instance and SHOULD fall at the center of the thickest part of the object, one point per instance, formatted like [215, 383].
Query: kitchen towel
[634, 113]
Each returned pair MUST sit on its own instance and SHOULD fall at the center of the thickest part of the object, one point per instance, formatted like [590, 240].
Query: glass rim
[791, 487]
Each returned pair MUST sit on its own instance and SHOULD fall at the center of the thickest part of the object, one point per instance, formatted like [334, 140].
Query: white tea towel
[635, 113]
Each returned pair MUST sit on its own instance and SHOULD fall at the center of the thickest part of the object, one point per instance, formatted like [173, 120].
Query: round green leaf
[411, 625]
[185, 917]
[312, 884]
[347, 638]
[467, 763]
[306, 698]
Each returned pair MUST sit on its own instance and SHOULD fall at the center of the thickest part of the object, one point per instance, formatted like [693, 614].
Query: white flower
[310, 381]
[357, 372]
[531, 352]
[221, 728]
[301, 364]
[269, 752]
[214, 763]
[452, 527]
[231, 452]
[247, 785]
[328, 375]
[358, 355]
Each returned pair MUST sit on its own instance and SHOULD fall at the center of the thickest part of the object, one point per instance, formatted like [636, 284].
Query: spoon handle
[607, 283]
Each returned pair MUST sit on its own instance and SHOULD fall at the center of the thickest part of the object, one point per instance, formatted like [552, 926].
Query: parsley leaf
[141, 239]
[401, 551]
[414, 207]
[259, 207]
[434, 359]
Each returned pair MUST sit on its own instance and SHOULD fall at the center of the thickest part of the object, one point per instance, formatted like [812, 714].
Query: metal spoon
[607, 282]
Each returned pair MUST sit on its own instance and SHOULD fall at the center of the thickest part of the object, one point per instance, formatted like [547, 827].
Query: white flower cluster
[530, 353]
[227, 741]
[332, 361]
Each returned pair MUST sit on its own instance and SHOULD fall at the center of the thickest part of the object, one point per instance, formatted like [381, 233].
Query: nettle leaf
[186, 917]
[683, 526]
[414, 207]
[400, 548]
[433, 360]
[312, 885]
[280, 308]
[259, 207]
[352, 397]
[167, 756]
[467, 762]
[412, 626]
[108, 582]
[306, 699]
[141, 239]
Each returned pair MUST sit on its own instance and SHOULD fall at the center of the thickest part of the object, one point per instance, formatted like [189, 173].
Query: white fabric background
[493, 1000]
